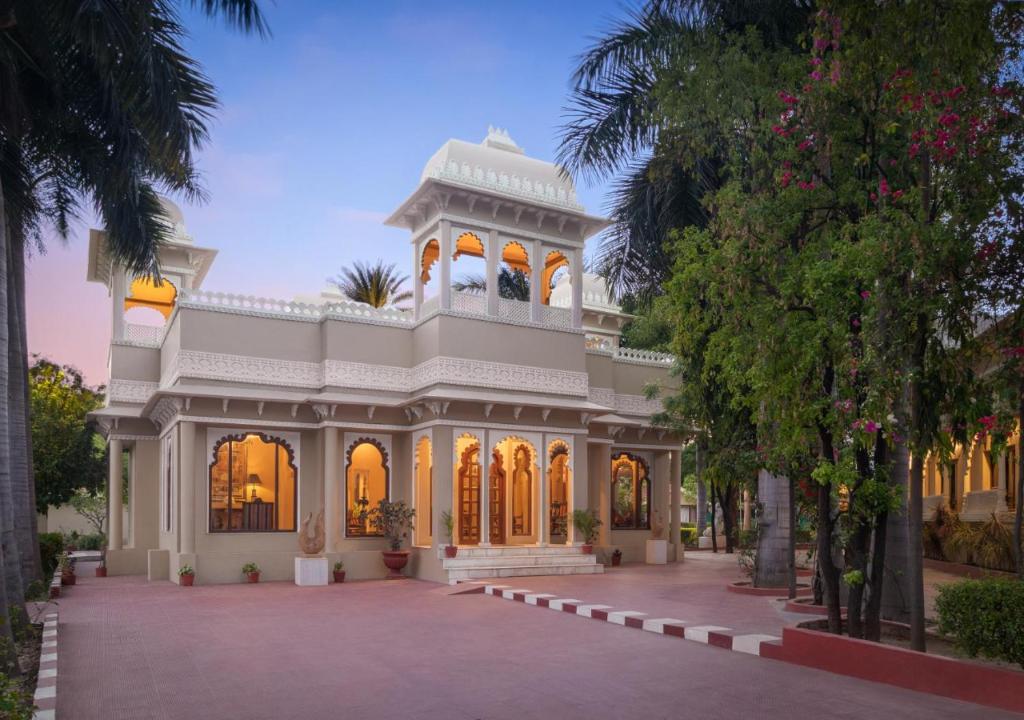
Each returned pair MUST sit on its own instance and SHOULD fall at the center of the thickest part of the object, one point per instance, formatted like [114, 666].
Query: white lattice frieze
[130, 391]
[480, 373]
[241, 368]
[516, 311]
[602, 396]
[143, 335]
[367, 376]
[637, 405]
[643, 357]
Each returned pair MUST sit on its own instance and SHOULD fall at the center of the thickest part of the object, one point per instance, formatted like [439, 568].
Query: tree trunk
[892, 548]
[791, 550]
[714, 525]
[829, 571]
[727, 501]
[915, 554]
[10, 562]
[22, 478]
[702, 489]
[773, 531]
[1018, 512]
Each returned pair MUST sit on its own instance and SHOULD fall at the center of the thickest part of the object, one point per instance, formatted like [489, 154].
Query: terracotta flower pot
[187, 580]
[588, 549]
[254, 577]
[451, 551]
[395, 560]
[101, 571]
[339, 576]
[67, 578]
[616, 560]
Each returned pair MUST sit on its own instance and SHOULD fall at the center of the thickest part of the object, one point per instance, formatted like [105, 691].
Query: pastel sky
[324, 129]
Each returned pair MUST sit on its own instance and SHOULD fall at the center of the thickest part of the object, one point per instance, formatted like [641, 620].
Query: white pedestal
[311, 570]
[657, 552]
[704, 543]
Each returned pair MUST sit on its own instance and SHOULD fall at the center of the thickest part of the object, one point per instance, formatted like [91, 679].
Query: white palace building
[241, 415]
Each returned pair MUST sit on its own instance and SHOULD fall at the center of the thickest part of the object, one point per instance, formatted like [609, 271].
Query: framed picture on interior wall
[239, 466]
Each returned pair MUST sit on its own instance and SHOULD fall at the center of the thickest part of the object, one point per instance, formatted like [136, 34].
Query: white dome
[176, 220]
[499, 165]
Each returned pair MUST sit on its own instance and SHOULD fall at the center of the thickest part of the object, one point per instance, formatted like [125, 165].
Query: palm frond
[243, 14]
[377, 285]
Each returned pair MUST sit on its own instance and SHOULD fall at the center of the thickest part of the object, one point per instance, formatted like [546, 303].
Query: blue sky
[325, 128]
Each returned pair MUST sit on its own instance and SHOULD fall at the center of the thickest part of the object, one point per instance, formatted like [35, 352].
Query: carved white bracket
[224, 405]
[495, 207]
[370, 410]
[321, 410]
[517, 213]
[561, 223]
[259, 408]
[295, 409]
[544, 414]
[487, 409]
[516, 411]
[188, 404]
[585, 418]
[471, 201]
[540, 218]
[641, 432]
[334, 409]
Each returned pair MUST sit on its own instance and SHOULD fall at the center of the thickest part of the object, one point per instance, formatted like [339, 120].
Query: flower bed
[981, 683]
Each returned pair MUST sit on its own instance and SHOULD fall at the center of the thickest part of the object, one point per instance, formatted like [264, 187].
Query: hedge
[688, 535]
[51, 544]
[985, 617]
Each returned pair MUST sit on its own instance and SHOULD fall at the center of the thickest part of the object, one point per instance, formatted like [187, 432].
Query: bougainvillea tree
[843, 268]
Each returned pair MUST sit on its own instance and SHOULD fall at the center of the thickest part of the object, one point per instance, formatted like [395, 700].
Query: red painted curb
[599, 614]
[519, 597]
[935, 674]
[675, 631]
[542, 602]
[635, 622]
[795, 606]
[720, 640]
[570, 607]
[968, 571]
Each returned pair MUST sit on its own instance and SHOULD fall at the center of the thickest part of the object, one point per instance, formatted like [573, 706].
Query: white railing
[508, 184]
[516, 311]
[556, 317]
[644, 356]
[255, 305]
[143, 334]
[590, 300]
[472, 303]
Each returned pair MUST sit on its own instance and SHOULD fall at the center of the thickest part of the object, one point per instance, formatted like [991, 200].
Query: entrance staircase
[476, 563]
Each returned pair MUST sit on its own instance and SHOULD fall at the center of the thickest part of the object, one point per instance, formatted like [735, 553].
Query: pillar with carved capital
[417, 281]
[485, 488]
[114, 530]
[536, 271]
[576, 273]
[579, 491]
[332, 494]
[492, 260]
[675, 500]
[445, 247]
[441, 487]
[600, 456]
[187, 487]
[543, 507]
[118, 283]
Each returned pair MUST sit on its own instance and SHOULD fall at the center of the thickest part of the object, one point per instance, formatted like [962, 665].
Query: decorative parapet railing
[594, 300]
[506, 184]
[644, 357]
[144, 335]
[269, 307]
[556, 317]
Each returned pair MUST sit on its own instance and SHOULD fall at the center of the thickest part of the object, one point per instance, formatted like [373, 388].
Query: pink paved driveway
[134, 650]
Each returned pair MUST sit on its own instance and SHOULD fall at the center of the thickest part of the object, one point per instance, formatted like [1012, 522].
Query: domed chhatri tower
[242, 414]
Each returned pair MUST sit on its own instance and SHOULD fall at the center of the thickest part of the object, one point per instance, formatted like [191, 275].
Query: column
[444, 241]
[601, 470]
[114, 530]
[443, 448]
[332, 506]
[1001, 482]
[536, 271]
[579, 492]
[417, 281]
[117, 293]
[577, 288]
[544, 491]
[485, 485]
[660, 491]
[187, 488]
[493, 259]
[675, 501]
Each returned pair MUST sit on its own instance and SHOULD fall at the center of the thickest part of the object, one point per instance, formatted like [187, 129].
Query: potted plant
[616, 558]
[450, 550]
[101, 569]
[252, 571]
[186, 575]
[67, 569]
[586, 523]
[393, 520]
[339, 572]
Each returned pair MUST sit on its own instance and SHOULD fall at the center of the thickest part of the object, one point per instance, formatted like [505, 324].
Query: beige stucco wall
[134, 363]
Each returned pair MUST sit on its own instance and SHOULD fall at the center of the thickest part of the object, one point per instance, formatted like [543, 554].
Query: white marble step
[521, 571]
[506, 551]
[517, 560]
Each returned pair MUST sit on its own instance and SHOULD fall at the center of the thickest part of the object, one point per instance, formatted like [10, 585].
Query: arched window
[366, 484]
[554, 262]
[145, 293]
[631, 493]
[558, 481]
[468, 491]
[522, 492]
[431, 251]
[514, 277]
[253, 484]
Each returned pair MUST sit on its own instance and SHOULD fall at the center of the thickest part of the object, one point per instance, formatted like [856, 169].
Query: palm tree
[377, 285]
[512, 284]
[101, 105]
[615, 128]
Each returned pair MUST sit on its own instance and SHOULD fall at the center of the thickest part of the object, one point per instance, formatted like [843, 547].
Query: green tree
[377, 285]
[512, 284]
[66, 454]
[103, 105]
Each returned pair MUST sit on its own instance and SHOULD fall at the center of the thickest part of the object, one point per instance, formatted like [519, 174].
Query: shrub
[959, 544]
[92, 541]
[51, 545]
[15, 703]
[587, 522]
[993, 547]
[688, 535]
[985, 617]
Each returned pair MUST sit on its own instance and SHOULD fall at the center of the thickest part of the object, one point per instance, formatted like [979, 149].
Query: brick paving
[135, 650]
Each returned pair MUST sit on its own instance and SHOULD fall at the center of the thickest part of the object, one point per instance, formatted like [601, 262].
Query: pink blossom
[786, 178]
[856, 322]
[804, 145]
[892, 163]
[787, 98]
[806, 184]
[816, 75]
[865, 294]
[816, 61]
[883, 187]
[874, 198]
[914, 149]
[897, 194]
[871, 426]
[988, 421]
